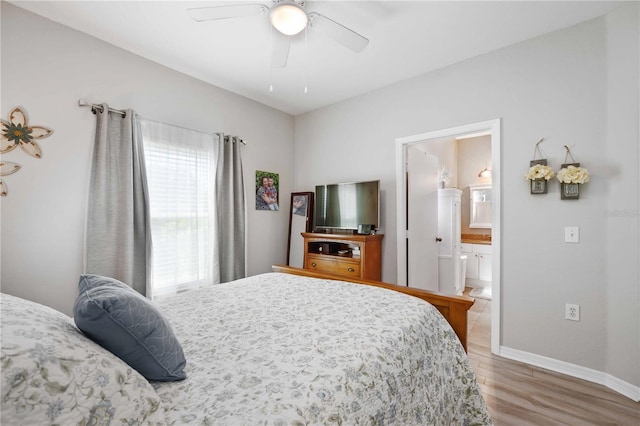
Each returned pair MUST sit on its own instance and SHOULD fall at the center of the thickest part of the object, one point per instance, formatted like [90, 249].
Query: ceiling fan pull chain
[306, 59]
[271, 67]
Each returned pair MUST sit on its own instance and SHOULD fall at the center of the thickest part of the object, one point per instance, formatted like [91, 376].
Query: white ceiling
[406, 39]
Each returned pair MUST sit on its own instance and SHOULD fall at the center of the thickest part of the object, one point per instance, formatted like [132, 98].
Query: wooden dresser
[355, 256]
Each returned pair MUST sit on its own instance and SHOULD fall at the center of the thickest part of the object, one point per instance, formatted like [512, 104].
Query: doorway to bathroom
[422, 168]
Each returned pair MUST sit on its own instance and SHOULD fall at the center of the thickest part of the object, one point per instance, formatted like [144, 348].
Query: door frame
[493, 128]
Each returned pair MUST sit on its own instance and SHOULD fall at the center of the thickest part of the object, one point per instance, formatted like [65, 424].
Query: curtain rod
[240, 140]
[226, 137]
[99, 107]
[123, 113]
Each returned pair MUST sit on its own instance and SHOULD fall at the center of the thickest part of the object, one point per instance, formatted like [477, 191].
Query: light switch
[571, 234]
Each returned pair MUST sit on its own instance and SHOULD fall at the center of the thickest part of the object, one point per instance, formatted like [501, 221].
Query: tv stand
[356, 256]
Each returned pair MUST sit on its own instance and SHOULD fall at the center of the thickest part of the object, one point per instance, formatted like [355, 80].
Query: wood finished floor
[520, 394]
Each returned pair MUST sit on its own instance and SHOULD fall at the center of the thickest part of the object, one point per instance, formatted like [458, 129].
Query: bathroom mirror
[300, 220]
[480, 214]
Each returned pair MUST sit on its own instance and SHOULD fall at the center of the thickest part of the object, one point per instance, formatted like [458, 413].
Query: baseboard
[622, 387]
[573, 370]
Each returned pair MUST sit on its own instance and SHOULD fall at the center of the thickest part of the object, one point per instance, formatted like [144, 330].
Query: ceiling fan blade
[343, 35]
[280, 54]
[239, 10]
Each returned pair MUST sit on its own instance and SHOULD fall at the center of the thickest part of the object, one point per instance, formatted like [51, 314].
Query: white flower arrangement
[538, 172]
[573, 174]
[443, 175]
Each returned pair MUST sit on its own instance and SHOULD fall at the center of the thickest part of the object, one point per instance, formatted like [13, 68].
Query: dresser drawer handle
[351, 270]
[314, 264]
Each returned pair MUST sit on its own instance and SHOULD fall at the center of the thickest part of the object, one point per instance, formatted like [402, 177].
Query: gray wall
[46, 68]
[622, 184]
[578, 87]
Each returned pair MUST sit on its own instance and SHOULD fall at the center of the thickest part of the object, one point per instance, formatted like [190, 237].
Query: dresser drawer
[339, 260]
[333, 265]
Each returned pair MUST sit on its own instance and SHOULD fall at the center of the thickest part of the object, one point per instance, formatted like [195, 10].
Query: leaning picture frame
[300, 220]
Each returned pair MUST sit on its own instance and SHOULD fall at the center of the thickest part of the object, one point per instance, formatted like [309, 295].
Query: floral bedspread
[51, 374]
[288, 350]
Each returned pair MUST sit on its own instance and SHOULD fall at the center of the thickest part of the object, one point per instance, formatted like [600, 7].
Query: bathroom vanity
[478, 273]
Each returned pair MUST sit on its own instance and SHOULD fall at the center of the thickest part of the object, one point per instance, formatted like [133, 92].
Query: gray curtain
[231, 209]
[118, 237]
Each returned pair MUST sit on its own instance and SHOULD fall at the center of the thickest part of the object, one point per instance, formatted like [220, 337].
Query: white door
[422, 219]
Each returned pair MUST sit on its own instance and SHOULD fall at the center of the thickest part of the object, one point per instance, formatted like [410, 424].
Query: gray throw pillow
[127, 324]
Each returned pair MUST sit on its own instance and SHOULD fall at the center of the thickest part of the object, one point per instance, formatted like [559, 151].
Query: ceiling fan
[289, 17]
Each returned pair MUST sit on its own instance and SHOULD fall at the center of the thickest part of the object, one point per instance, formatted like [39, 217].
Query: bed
[277, 348]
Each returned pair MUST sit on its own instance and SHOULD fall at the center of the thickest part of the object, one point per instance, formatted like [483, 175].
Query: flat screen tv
[347, 205]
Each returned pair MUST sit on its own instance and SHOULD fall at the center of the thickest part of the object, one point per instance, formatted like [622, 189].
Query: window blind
[180, 167]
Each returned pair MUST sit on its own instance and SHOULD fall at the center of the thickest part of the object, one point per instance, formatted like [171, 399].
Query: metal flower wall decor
[16, 132]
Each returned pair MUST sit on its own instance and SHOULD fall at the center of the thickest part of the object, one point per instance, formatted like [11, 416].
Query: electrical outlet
[572, 312]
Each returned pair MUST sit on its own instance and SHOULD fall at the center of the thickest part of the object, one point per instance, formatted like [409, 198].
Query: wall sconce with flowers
[571, 176]
[539, 172]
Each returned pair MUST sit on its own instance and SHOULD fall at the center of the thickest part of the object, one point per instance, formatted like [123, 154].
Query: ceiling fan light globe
[288, 18]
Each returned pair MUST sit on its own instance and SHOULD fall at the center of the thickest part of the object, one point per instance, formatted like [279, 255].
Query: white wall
[563, 86]
[46, 68]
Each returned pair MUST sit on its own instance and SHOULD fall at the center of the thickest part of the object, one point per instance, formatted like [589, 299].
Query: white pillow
[53, 374]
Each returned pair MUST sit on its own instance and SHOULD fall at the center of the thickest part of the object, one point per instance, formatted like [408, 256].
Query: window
[180, 167]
